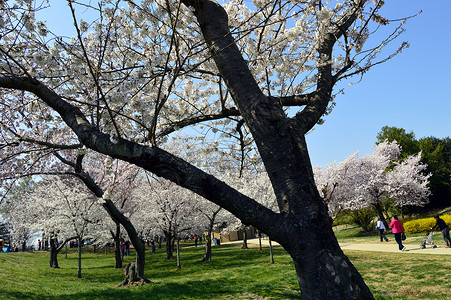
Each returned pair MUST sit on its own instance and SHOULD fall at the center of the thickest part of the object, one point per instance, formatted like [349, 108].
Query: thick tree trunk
[115, 215]
[53, 253]
[131, 276]
[55, 249]
[302, 227]
[324, 272]
[207, 253]
[137, 243]
[118, 217]
[169, 247]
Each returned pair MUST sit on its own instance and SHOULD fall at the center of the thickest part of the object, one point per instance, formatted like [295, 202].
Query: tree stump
[131, 276]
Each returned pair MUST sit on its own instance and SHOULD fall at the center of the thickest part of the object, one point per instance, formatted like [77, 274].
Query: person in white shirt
[380, 226]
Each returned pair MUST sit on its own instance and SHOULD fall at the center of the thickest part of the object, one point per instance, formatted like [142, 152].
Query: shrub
[424, 225]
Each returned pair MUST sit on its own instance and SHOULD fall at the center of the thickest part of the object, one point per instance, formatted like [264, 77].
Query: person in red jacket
[397, 230]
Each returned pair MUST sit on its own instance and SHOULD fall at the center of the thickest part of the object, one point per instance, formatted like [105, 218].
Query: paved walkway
[390, 246]
[393, 247]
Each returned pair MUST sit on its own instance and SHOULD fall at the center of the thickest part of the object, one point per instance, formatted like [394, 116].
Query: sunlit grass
[232, 274]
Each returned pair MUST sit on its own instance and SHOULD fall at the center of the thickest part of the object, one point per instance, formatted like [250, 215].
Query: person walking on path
[397, 230]
[440, 224]
[380, 226]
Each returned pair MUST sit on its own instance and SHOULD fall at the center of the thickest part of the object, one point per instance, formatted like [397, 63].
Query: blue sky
[411, 91]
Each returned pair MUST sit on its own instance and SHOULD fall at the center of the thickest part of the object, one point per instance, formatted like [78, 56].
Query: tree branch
[155, 160]
[199, 119]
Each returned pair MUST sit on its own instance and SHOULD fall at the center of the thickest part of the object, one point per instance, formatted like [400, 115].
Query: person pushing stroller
[440, 224]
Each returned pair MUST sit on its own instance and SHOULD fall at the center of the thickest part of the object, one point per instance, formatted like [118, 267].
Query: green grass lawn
[232, 274]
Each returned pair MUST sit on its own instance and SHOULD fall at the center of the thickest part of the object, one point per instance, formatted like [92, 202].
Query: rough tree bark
[303, 226]
[169, 244]
[53, 253]
[324, 272]
[207, 252]
[131, 278]
[55, 249]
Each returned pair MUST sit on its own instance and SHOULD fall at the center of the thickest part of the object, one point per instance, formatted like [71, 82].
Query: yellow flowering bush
[424, 225]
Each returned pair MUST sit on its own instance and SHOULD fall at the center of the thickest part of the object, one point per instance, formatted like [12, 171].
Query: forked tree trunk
[302, 227]
[54, 250]
[323, 271]
[207, 253]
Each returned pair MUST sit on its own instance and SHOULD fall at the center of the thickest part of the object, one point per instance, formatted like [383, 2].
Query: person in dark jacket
[440, 224]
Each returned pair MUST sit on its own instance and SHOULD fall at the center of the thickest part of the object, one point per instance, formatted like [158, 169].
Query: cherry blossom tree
[169, 209]
[360, 183]
[105, 178]
[133, 75]
[63, 210]
[12, 198]
[407, 183]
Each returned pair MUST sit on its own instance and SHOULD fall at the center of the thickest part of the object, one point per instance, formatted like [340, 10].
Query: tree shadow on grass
[206, 289]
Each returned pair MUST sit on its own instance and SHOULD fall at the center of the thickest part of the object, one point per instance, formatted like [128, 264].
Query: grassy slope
[233, 274]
